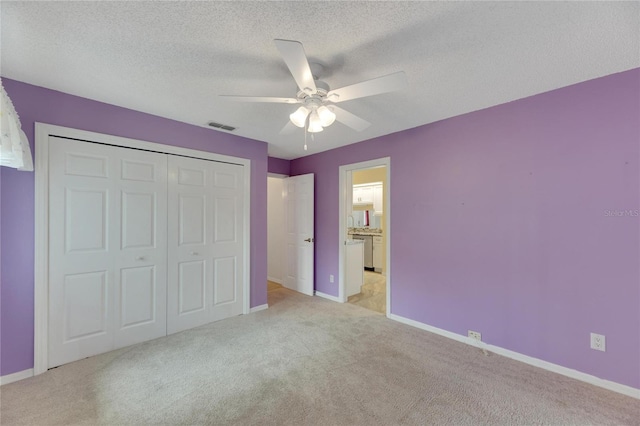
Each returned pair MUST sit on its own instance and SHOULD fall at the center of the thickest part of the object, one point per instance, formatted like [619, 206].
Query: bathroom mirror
[359, 219]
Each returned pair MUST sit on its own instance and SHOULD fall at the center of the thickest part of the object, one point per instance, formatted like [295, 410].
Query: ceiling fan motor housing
[313, 111]
[314, 100]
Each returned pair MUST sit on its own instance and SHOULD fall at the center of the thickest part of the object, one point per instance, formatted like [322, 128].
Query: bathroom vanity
[367, 241]
[354, 266]
[373, 246]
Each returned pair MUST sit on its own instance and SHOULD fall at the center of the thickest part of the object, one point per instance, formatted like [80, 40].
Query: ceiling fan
[318, 110]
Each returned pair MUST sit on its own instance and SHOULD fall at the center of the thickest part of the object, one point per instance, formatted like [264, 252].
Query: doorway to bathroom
[365, 228]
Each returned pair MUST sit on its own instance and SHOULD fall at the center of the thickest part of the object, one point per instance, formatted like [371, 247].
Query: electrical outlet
[330, 278]
[598, 342]
[475, 335]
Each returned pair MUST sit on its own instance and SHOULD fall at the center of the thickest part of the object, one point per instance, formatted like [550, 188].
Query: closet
[141, 244]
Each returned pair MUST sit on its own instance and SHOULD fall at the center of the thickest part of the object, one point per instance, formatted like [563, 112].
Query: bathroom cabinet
[378, 247]
[354, 266]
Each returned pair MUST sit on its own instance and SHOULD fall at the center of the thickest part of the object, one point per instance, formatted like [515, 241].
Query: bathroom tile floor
[373, 293]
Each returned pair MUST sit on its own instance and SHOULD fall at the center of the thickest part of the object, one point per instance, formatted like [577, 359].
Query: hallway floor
[373, 293]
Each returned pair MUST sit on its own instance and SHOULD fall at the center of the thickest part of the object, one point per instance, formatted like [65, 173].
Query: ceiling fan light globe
[315, 124]
[299, 117]
[327, 117]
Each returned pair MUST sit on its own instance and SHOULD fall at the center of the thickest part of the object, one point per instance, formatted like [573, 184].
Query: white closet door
[141, 266]
[205, 242]
[107, 254]
[81, 251]
[226, 236]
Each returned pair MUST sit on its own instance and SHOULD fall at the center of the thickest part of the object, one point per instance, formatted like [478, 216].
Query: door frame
[344, 181]
[41, 261]
[281, 177]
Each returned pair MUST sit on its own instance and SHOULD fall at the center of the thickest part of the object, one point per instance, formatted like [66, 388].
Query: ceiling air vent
[221, 126]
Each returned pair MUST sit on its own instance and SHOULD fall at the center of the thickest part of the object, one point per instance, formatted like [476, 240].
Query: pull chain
[306, 125]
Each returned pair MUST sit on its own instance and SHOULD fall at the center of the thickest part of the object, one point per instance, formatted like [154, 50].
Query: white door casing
[345, 190]
[107, 248]
[205, 242]
[299, 208]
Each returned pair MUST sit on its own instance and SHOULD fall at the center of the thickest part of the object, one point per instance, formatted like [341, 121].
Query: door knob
[309, 240]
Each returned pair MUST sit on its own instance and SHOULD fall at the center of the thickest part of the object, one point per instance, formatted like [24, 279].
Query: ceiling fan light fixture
[315, 124]
[319, 102]
[299, 117]
[315, 128]
[327, 117]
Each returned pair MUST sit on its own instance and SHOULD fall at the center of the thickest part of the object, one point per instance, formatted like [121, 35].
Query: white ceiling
[173, 59]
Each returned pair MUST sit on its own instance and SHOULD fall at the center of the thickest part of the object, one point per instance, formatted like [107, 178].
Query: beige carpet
[310, 361]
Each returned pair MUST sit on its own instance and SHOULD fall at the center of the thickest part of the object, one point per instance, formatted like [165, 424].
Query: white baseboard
[14, 377]
[327, 296]
[565, 371]
[259, 308]
[275, 280]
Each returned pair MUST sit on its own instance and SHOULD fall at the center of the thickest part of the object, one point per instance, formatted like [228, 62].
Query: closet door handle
[194, 253]
[140, 258]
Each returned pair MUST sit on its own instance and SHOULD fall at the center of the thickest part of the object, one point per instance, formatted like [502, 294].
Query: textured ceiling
[173, 59]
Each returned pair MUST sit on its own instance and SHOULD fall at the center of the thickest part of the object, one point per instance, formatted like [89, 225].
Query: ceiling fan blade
[348, 119]
[293, 54]
[260, 99]
[288, 128]
[387, 83]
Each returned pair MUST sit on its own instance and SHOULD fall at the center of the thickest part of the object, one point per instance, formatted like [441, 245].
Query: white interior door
[205, 242]
[107, 254]
[299, 205]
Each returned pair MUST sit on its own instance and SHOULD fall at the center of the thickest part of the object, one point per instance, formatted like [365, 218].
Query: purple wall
[17, 192]
[504, 221]
[279, 166]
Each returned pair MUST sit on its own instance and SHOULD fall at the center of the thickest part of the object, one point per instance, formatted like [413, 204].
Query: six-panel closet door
[205, 242]
[141, 244]
[107, 248]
